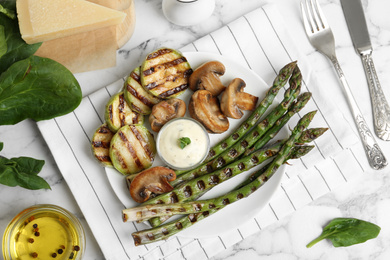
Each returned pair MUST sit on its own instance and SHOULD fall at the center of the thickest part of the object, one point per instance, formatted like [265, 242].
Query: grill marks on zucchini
[136, 96]
[101, 144]
[165, 73]
[132, 149]
[118, 113]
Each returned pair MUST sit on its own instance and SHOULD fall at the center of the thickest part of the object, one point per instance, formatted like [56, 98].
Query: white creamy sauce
[191, 154]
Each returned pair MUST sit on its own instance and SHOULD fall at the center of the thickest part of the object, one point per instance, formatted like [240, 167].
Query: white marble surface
[367, 197]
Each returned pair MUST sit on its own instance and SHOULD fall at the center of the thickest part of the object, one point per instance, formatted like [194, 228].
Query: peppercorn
[76, 248]
[60, 251]
[71, 255]
[30, 240]
[54, 255]
[37, 234]
[34, 254]
[35, 225]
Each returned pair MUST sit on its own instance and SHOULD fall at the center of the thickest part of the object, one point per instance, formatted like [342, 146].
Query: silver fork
[321, 37]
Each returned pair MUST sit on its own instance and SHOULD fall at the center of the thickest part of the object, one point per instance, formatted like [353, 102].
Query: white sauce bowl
[168, 144]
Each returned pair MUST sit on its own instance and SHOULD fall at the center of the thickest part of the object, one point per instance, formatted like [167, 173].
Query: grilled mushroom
[234, 100]
[207, 77]
[165, 111]
[204, 107]
[153, 180]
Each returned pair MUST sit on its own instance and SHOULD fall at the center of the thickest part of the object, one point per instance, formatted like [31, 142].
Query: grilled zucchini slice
[118, 113]
[165, 73]
[139, 100]
[132, 149]
[101, 144]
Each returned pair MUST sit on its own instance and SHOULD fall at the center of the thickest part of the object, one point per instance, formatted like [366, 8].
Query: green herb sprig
[22, 171]
[184, 141]
[347, 231]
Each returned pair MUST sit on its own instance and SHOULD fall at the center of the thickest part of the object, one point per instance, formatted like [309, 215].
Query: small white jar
[187, 12]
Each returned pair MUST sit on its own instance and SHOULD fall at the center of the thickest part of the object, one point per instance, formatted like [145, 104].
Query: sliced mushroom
[204, 107]
[153, 180]
[234, 99]
[207, 77]
[165, 111]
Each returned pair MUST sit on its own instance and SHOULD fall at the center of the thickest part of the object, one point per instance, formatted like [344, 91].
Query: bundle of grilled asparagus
[244, 149]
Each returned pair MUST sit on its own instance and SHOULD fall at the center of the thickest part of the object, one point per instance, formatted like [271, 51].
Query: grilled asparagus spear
[164, 231]
[307, 136]
[193, 189]
[143, 213]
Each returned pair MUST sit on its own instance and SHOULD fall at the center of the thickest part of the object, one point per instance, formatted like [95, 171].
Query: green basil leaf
[22, 172]
[37, 88]
[347, 231]
[17, 48]
[184, 141]
[31, 182]
[8, 172]
[1, 146]
[28, 165]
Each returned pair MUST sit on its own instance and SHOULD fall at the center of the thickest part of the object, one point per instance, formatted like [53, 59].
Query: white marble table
[367, 197]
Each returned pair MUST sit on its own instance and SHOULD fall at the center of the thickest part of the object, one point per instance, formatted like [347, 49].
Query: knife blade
[356, 22]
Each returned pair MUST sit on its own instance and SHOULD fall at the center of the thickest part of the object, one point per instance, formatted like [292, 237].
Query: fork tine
[321, 15]
[306, 23]
[309, 12]
[317, 20]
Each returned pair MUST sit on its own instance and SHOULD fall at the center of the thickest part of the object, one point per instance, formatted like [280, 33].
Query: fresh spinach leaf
[17, 48]
[23, 172]
[9, 4]
[347, 231]
[8, 12]
[3, 43]
[184, 141]
[37, 88]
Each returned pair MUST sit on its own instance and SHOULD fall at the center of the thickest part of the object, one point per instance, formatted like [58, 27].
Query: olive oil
[43, 234]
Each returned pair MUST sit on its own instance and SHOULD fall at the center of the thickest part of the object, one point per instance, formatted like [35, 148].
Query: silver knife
[354, 15]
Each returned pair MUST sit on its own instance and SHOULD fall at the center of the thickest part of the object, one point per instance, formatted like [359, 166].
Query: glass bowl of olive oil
[44, 232]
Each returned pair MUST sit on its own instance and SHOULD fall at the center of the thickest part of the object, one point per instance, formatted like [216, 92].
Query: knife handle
[381, 109]
[374, 154]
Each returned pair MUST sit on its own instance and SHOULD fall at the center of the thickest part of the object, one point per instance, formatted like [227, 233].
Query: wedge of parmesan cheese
[92, 50]
[43, 20]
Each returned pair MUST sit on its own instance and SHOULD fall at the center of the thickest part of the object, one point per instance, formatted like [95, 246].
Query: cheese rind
[114, 4]
[43, 20]
[125, 30]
